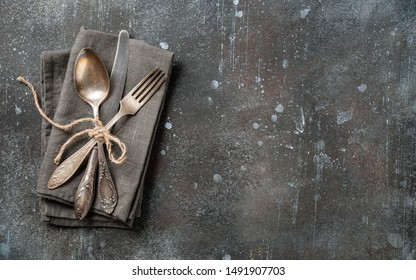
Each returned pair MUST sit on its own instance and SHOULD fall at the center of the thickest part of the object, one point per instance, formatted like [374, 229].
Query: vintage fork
[129, 105]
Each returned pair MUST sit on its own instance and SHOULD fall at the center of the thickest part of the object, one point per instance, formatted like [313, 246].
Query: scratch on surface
[316, 198]
[232, 39]
[295, 208]
[300, 121]
[232, 51]
[405, 94]
[246, 12]
[279, 202]
[221, 16]
[364, 219]
[203, 16]
[321, 160]
[407, 71]
[258, 77]
[5, 102]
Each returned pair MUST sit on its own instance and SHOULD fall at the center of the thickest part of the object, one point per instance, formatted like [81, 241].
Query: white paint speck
[260, 143]
[362, 88]
[5, 247]
[274, 118]
[227, 256]
[243, 168]
[279, 108]
[200, 212]
[17, 110]
[344, 116]
[168, 125]
[217, 178]
[239, 14]
[290, 147]
[164, 45]
[285, 63]
[163, 152]
[255, 125]
[4, 250]
[215, 84]
[210, 101]
[235, 2]
[304, 12]
[395, 240]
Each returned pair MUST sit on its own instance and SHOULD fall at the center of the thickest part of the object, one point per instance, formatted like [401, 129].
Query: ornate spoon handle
[67, 168]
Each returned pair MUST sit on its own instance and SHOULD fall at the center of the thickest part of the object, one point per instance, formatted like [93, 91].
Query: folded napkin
[61, 102]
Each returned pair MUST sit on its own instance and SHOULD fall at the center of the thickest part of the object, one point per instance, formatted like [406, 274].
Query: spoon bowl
[91, 79]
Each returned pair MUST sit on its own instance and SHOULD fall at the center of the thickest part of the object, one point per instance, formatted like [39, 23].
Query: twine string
[99, 132]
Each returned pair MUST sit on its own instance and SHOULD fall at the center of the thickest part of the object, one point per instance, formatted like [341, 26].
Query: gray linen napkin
[61, 102]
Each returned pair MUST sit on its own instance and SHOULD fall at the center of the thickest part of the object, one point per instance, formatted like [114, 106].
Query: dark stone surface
[293, 130]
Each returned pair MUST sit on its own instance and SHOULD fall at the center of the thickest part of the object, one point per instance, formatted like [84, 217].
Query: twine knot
[99, 132]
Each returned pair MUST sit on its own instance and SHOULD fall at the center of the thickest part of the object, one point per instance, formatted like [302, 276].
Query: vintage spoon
[92, 85]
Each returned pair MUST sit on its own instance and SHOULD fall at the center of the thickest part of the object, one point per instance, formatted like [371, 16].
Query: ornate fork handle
[106, 189]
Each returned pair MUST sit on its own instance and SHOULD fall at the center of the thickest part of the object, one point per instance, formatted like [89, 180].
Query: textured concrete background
[289, 130]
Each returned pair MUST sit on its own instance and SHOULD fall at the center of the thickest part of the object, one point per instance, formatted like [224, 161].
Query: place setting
[98, 127]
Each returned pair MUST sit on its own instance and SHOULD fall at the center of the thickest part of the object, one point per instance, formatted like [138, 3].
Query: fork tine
[146, 82]
[142, 94]
[152, 89]
[131, 92]
[149, 87]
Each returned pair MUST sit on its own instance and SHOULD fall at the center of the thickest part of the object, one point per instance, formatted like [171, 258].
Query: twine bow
[99, 132]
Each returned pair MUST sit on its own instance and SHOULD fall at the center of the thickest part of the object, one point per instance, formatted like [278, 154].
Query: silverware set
[92, 84]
